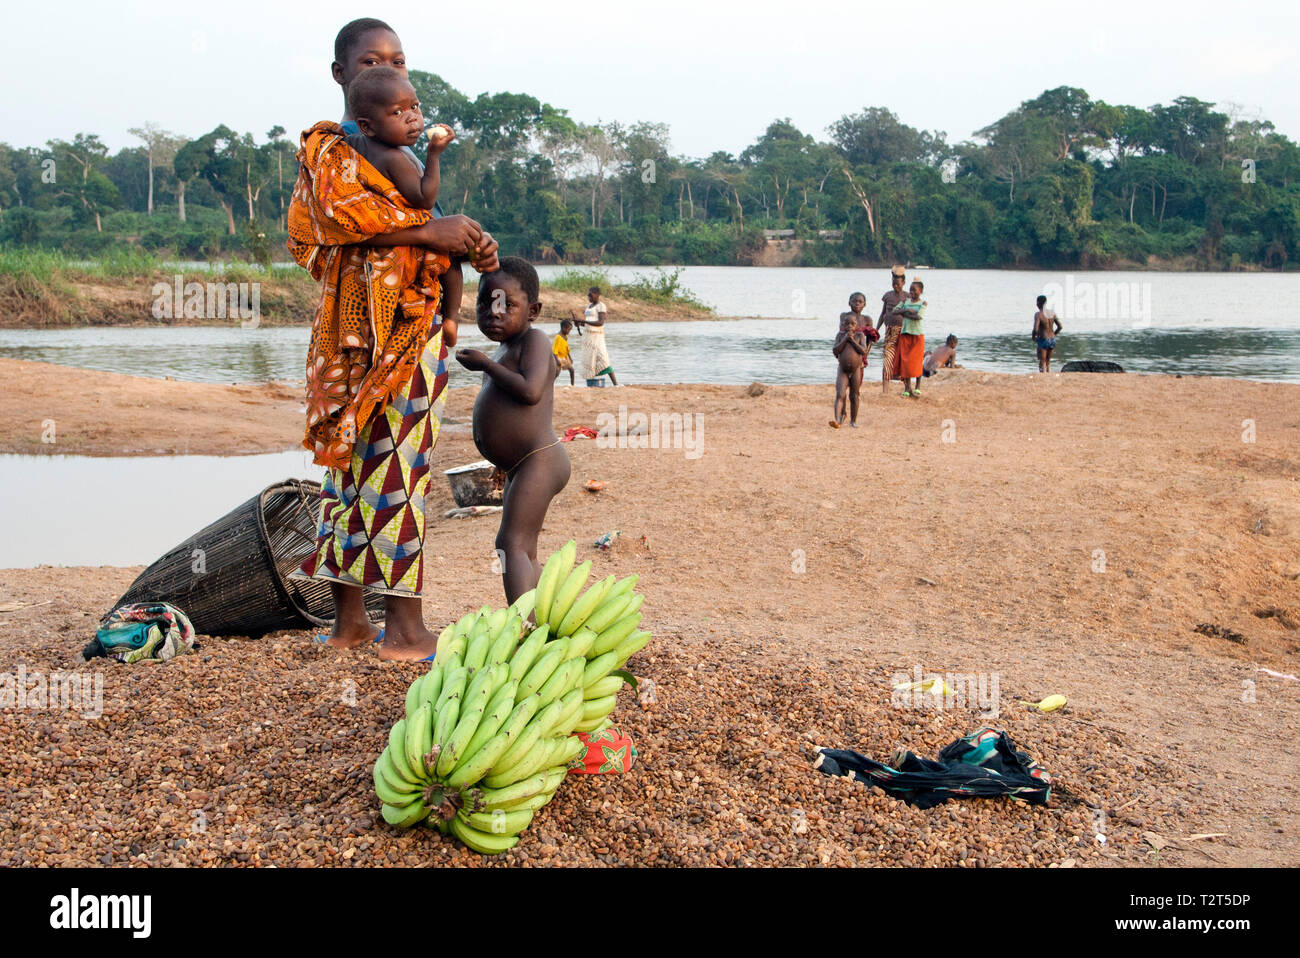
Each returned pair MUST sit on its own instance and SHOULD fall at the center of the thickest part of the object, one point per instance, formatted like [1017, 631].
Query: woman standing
[595, 358]
[372, 406]
[893, 324]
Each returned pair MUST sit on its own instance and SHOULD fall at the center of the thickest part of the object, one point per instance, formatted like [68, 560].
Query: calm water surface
[1230, 324]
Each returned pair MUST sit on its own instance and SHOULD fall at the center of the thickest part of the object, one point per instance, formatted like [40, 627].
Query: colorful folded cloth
[579, 432]
[142, 630]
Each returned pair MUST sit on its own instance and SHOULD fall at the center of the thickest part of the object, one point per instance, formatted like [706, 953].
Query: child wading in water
[851, 349]
[512, 416]
[943, 357]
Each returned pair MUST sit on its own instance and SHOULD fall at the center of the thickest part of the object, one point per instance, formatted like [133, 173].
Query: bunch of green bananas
[488, 730]
[601, 625]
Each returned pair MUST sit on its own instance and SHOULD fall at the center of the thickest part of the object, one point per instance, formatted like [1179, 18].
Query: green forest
[1063, 180]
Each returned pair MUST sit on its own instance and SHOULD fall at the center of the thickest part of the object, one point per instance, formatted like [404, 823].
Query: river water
[1245, 325]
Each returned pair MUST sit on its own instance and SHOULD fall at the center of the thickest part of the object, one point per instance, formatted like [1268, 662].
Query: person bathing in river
[944, 356]
[512, 416]
[595, 358]
[376, 366]
[850, 351]
[893, 324]
[1044, 335]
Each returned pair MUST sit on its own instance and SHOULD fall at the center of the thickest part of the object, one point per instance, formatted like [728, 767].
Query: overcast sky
[716, 72]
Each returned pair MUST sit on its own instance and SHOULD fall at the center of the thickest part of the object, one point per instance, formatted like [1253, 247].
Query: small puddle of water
[87, 511]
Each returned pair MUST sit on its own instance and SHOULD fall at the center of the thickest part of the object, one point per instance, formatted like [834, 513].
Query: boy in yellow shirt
[560, 347]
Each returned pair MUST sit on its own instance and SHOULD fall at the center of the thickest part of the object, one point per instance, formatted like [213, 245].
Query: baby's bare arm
[420, 191]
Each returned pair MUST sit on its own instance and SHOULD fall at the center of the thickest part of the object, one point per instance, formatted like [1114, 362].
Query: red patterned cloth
[609, 752]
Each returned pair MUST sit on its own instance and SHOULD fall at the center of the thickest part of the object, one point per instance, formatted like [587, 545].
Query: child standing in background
[911, 340]
[850, 349]
[560, 347]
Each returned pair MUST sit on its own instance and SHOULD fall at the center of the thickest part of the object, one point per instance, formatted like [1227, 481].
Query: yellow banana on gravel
[527, 653]
[500, 821]
[615, 634]
[523, 606]
[482, 842]
[609, 685]
[599, 667]
[431, 687]
[598, 708]
[552, 655]
[567, 593]
[630, 646]
[397, 751]
[584, 606]
[565, 677]
[608, 612]
[570, 713]
[385, 787]
[513, 794]
[580, 643]
[554, 572]
[407, 815]
[504, 644]
[485, 736]
[494, 716]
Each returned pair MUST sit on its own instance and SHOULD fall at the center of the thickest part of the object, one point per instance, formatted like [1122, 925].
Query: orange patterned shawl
[376, 307]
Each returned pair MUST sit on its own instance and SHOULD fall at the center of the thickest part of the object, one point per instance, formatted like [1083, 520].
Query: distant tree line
[1063, 180]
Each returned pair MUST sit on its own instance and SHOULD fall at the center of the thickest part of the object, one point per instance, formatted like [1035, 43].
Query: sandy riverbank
[283, 299]
[1071, 538]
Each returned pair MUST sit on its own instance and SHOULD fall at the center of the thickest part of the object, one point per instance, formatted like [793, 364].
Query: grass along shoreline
[43, 289]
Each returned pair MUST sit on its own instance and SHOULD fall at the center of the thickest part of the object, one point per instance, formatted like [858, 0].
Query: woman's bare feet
[352, 627]
[406, 637]
[352, 638]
